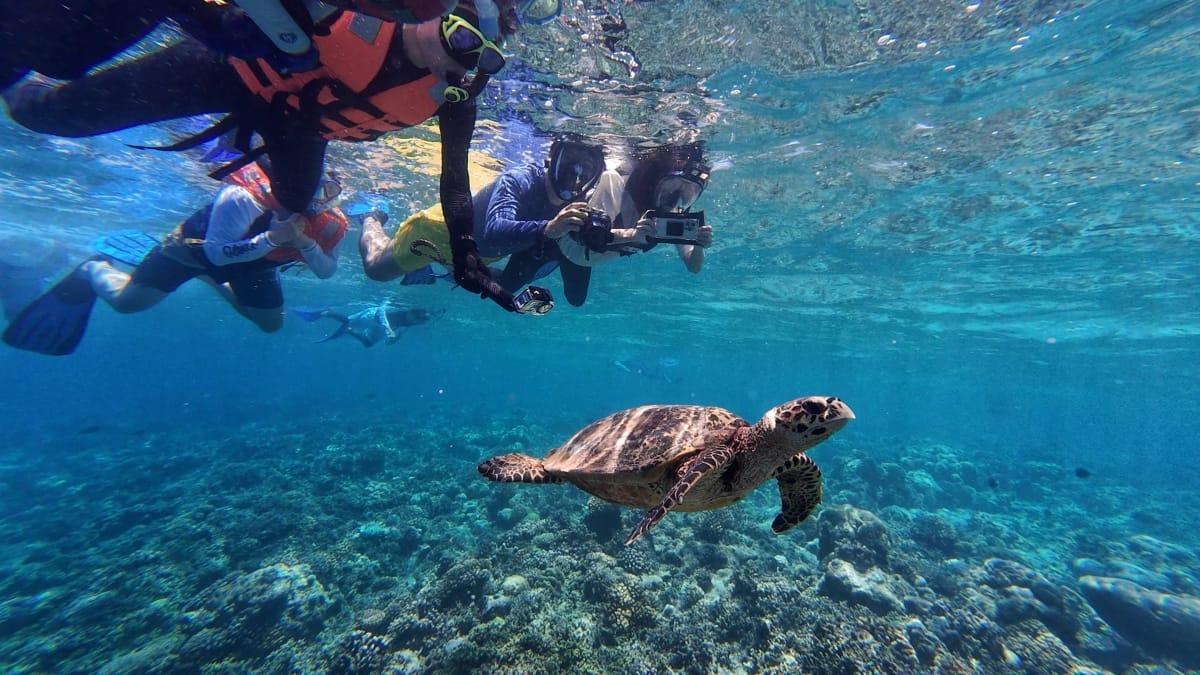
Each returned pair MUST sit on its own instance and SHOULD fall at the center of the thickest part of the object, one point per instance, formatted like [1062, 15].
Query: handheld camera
[676, 227]
[596, 232]
[534, 300]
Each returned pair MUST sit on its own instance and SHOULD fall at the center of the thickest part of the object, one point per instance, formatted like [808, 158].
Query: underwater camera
[671, 227]
[596, 232]
[534, 300]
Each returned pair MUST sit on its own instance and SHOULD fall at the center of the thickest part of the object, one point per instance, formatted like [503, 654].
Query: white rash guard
[225, 242]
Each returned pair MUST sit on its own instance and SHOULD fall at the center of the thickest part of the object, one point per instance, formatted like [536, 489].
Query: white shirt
[611, 198]
[225, 243]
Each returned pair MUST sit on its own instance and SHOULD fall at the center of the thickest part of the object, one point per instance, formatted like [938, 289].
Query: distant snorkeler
[383, 322]
[237, 244]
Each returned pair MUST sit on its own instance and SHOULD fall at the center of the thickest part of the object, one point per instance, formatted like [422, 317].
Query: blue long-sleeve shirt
[517, 212]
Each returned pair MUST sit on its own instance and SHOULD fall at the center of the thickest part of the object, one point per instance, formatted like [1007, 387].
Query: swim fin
[341, 330]
[424, 276]
[54, 323]
[308, 314]
[125, 246]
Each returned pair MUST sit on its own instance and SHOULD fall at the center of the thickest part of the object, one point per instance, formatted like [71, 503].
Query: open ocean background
[978, 227]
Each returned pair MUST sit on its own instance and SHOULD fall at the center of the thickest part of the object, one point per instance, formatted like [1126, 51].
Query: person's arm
[386, 323]
[693, 254]
[225, 242]
[692, 257]
[321, 263]
[457, 122]
[502, 229]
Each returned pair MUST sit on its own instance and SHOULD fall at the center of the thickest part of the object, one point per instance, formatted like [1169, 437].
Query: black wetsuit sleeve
[457, 123]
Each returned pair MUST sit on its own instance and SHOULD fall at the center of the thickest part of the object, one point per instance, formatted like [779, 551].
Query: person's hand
[472, 274]
[704, 236]
[644, 230]
[378, 216]
[286, 231]
[569, 219]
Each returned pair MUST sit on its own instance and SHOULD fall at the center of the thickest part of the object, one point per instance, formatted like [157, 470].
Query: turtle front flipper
[690, 474]
[516, 468]
[799, 488]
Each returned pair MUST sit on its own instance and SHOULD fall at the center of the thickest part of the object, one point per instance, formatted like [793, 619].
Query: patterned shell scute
[638, 440]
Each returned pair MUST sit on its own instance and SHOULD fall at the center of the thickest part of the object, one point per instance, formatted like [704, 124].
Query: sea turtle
[689, 458]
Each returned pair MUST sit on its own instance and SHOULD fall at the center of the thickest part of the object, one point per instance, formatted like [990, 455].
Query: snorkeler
[383, 322]
[622, 216]
[389, 257]
[64, 39]
[374, 77]
[237, 244]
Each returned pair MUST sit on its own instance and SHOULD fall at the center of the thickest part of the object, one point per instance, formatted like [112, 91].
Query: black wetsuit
[254, 284]
[523, 266]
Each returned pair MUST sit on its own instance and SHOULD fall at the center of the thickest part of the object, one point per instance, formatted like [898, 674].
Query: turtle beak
[837, 411]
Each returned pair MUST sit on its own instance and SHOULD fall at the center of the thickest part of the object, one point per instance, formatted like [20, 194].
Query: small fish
[371, 396]
[91, 429]
[993, 483]
[1081, 472]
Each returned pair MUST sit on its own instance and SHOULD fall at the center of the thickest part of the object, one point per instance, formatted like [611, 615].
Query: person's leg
[375, 248]
[575, 279]
[258, 296]
[179, 81]
[116, 288]
[64, 39]
[522, 266]
[156, 277]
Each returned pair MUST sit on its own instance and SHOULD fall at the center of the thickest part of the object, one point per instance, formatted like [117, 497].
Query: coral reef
[256, 558]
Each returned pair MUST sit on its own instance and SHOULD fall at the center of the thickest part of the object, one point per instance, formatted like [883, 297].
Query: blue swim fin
[126, 246]
[421, 277]
[308, 314]
[54, 323]
[341, 330]
[366, 202]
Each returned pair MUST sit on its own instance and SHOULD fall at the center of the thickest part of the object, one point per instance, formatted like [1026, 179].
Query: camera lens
[674, 228]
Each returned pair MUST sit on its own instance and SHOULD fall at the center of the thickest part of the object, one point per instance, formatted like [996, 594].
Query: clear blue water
[977, 228]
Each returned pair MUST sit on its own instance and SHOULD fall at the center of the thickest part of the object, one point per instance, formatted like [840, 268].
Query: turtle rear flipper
[516, 468]
[799, 489]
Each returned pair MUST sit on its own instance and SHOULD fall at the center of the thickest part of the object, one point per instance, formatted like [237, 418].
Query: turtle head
[805, 422]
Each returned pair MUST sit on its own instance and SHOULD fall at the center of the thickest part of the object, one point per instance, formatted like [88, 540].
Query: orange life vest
[344, 94]
[326, 228]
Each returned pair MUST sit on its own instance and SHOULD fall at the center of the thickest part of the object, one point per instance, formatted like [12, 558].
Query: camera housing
[534, 300]
[672, 227]
[596, 232]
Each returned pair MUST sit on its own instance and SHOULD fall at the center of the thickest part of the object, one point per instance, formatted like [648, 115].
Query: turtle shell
[638, 442]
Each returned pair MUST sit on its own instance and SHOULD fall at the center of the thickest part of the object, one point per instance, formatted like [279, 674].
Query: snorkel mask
[328, 194]
[473, 47]
[678, 190]
[573, 168]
